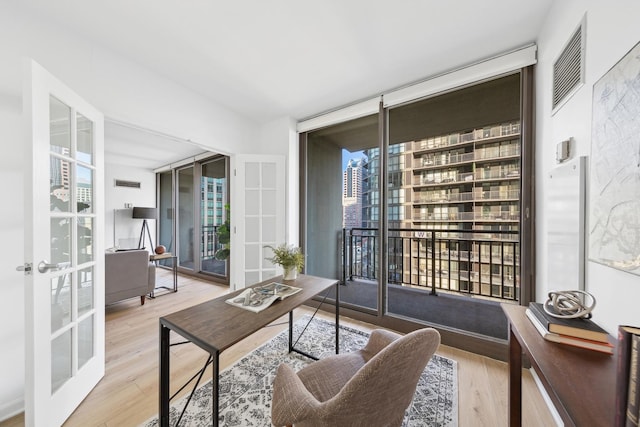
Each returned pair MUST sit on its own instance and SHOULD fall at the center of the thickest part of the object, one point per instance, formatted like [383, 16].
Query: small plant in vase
[290, 258]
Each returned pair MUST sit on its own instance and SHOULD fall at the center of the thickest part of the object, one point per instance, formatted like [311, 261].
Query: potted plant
[289, 257]
[224, 236]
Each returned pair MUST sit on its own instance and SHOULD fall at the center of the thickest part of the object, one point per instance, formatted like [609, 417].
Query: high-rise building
[463, 181]
[352, 194]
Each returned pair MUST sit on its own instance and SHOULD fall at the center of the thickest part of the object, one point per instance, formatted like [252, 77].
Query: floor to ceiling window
[447, 170]
[339, 179]
[194, 207]
[453, 187]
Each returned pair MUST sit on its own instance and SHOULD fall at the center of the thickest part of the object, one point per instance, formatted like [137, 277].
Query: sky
[347, 155]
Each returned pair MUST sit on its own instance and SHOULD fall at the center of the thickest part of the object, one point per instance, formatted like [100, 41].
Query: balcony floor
[470, 314]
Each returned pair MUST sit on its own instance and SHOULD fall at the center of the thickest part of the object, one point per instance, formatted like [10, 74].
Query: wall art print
[614, 185]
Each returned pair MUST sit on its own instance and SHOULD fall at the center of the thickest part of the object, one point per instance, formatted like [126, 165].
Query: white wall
[11, 250]
[281, 137]
[122, 90]
[121, 229]
[612, 30]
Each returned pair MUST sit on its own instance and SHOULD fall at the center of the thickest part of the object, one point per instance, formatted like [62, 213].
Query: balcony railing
[483, 134]
[473, 262]
[438, 197]
[209, 242]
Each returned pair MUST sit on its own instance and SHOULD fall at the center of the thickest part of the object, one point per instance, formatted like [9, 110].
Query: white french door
[257, 216]
[64, 228]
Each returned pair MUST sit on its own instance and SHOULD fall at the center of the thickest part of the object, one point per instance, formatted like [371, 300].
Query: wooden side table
[580, 382]
[167, 255]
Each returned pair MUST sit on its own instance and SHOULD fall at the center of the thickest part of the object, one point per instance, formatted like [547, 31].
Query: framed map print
[614, 184]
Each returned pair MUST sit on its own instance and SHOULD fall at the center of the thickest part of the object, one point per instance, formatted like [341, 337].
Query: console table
[581, 383]
[215, 326]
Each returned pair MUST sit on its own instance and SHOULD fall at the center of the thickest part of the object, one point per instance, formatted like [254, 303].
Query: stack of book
[579, 332]
[628, 377]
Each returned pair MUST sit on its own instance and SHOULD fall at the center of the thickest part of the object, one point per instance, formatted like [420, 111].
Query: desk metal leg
[290, 331]
[164, 376]
[216, 389]
[337, 317]
[175, 274]
[515, 380]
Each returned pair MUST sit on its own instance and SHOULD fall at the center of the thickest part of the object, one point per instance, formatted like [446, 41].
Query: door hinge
[27, 267]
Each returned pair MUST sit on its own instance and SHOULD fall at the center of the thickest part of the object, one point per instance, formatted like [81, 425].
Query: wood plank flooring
[128, 394]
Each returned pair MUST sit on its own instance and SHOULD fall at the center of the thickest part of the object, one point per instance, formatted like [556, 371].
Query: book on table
[258, 298]
[580, 327]
[627, 376]
[565, 339]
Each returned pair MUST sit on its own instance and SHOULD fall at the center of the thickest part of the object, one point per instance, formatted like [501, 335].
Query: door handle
[44, 266]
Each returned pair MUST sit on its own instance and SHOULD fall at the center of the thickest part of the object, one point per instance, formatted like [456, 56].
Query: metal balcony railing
[209, 243]
[473, 262]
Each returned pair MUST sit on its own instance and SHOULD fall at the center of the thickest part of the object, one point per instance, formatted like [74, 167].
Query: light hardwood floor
[128, 393]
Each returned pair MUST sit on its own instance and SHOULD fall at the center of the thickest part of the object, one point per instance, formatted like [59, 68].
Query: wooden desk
[215, 326]
[581, 383]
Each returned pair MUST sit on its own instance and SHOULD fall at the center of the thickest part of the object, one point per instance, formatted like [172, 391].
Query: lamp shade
[145, 213]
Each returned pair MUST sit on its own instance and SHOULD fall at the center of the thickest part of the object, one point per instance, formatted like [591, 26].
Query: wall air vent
[128, 184]
[568, 69]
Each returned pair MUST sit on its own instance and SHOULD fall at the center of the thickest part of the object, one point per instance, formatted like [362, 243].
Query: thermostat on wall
[562, 150]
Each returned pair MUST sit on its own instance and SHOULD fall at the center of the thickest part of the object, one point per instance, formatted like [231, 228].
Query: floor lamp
[145, 214]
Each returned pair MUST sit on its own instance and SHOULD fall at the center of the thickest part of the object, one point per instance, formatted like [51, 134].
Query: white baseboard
[11, 409]
[547, 399]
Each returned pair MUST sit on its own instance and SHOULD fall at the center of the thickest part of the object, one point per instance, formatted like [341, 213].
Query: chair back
[381, 391]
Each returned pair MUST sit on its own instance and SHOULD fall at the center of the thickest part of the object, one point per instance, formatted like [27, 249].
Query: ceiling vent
[128, 184]
[568, 70]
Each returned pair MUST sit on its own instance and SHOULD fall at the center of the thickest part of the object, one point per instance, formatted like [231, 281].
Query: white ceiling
[271, 58]
[266, 59]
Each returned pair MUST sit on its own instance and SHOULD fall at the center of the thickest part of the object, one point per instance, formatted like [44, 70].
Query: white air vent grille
[568, 70]
[128, 184]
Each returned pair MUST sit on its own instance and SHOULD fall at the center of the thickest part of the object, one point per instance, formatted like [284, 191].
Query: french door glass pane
[85, 341]
[85, 290]
[60, 179]
[61, 360]
[84, 234]
[61, 301]
[60, 240]
[84, 144]
[84, 189]
[59, 127]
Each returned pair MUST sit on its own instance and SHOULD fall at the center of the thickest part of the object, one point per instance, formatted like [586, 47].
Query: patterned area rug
[245, 387]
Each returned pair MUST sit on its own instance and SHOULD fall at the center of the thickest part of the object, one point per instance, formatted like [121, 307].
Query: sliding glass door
[214, 217]
[343, 208]
[428, 203]
[194, 216]
[186, 220]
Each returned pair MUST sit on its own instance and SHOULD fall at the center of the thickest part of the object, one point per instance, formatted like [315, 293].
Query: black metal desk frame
[270, 314]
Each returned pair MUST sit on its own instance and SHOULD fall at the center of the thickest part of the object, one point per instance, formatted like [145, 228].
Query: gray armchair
[128, 274]
[372, 386]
